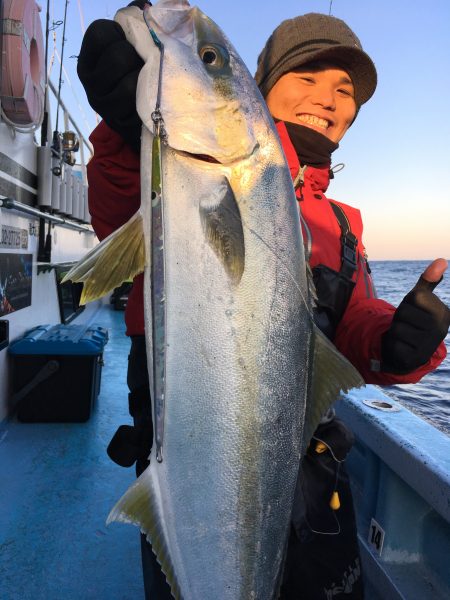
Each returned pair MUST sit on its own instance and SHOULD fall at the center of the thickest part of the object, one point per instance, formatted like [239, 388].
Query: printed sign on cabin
[15, 282]
[13, 238]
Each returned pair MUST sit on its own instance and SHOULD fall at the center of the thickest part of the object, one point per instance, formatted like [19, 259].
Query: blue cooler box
[56, 372]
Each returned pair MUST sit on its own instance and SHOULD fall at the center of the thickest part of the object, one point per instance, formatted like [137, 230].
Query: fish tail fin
[332, 374]
[140, 506]
[116, 259]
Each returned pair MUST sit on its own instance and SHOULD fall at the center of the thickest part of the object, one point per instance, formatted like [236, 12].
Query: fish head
[209, 102]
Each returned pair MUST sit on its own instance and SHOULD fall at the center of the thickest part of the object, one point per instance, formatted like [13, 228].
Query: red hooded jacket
[114, 196]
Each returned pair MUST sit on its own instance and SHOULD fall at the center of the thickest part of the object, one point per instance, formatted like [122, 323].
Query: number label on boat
[376, 536]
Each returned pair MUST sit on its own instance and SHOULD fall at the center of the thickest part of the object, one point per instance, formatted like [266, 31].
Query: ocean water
[430, 398]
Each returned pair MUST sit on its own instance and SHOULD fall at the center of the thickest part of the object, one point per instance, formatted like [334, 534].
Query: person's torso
[332, 234]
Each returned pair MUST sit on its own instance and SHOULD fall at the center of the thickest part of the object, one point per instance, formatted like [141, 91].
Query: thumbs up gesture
[420, 323]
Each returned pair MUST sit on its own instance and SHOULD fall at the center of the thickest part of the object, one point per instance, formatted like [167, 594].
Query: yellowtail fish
[240, 376]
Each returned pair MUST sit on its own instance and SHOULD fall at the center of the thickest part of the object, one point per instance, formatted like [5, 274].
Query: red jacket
[114, 195]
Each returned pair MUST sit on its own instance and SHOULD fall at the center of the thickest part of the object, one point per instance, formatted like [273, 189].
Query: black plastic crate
[56, 373]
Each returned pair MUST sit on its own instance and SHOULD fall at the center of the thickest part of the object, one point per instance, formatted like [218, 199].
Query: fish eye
[209, 56]
[213, 56]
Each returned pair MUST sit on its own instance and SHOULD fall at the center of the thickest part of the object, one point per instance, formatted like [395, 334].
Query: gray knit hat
[312, 37]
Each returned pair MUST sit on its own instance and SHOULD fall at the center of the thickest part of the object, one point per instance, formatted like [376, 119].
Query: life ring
[23, 69]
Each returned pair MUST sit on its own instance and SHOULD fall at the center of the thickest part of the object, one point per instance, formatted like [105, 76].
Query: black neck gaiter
[313, 148]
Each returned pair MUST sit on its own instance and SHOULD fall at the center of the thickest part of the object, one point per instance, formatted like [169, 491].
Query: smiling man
[315, 76]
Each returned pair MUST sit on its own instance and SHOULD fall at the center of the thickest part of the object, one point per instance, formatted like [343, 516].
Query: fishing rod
[61, 66]
[45, 241]
[44, 126]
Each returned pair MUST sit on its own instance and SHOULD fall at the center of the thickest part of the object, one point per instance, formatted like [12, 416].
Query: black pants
[318, 566]
[322, 559]
[155, 585]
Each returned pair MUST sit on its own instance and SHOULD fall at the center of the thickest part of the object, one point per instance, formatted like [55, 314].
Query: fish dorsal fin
[140, 506]
[116, 259]
[332, 374]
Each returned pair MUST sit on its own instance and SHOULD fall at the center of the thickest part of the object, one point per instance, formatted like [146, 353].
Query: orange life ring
[22, 91]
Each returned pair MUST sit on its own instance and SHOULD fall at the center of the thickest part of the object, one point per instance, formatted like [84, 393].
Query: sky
[396, 154]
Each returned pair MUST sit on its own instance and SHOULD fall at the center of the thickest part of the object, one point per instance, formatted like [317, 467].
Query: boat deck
[57, 488]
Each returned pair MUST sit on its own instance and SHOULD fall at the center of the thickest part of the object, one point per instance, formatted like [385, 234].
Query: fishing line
[67, 78]
[80, 11]
[52, 57]
[282, 263]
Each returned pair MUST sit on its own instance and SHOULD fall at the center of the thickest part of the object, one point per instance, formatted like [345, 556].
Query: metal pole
[11, 204]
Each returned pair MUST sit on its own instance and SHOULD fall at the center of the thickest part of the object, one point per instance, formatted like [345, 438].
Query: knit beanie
[316, 37]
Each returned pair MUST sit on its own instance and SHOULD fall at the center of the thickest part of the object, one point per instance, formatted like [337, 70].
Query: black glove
[108, 68]
[420, 323]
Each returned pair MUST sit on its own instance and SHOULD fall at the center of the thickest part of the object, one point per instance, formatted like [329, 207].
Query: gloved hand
[420, 323]
[108, 68]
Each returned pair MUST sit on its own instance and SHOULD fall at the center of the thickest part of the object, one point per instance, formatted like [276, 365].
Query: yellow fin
[139, 506]
[332, 374]
[117, 258]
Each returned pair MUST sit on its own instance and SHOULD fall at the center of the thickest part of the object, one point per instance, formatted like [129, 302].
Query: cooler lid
[61, 339]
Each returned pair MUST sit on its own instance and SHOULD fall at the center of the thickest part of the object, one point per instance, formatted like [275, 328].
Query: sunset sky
[396, 154]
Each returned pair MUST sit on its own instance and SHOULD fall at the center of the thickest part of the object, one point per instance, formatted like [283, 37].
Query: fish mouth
[201, 157]
[207, 158]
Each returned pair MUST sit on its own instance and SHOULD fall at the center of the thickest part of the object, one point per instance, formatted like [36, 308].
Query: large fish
[239, 373]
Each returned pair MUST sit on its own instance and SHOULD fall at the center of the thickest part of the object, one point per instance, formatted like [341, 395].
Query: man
[315, 77]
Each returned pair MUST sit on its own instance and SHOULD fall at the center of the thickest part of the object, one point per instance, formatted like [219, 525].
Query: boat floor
[57, 486]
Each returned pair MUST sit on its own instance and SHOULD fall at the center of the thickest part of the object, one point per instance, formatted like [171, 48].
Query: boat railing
[62, 189]
[56, 193]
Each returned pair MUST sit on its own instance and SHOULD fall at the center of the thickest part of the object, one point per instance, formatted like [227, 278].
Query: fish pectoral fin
[332, 374]
[139, 506]
[222, 225]
[118, 258]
